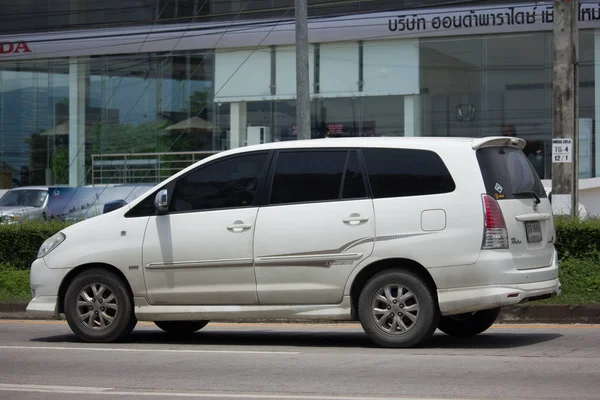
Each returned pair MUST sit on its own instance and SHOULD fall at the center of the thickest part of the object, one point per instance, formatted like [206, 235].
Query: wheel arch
[64, 285]
[361, 278]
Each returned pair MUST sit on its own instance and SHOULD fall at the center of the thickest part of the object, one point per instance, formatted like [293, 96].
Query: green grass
[14, 285]
[580, 279]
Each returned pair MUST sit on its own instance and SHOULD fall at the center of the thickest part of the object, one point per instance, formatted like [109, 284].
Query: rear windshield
[507, 171]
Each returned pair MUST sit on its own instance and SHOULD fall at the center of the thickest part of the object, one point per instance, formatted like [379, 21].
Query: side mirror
[161, 201]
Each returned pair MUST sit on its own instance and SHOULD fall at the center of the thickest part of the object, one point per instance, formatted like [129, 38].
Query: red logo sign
[14, 48]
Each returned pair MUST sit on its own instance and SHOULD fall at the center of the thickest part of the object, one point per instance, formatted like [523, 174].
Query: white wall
[589, 194]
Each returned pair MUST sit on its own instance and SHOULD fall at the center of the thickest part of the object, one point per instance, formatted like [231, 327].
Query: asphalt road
[43, 360]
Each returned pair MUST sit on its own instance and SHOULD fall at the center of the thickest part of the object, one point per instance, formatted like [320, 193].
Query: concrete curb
[527, 313]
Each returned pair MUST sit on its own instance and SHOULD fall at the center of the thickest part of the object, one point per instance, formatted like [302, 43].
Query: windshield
[24, 198]
[508, 174]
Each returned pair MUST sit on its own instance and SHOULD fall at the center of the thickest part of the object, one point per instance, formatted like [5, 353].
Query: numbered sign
[562, 150]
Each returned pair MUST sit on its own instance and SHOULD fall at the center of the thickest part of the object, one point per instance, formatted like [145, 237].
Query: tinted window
[506, 171]
[406, 172]
[354, 184]
[24, 198]
[308, 176]
[229, 183]
[144, 208]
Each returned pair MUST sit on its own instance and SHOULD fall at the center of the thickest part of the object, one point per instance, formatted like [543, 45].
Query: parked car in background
[26, 203]
[64, 202]
[405, 235]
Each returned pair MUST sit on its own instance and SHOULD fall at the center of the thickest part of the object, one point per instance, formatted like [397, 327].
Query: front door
[317, 226]
[200, 252]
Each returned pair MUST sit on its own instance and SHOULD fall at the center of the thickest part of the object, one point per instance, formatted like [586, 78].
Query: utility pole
[302, 79]
[565, 113]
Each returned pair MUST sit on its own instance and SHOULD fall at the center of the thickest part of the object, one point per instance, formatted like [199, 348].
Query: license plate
[534, 231]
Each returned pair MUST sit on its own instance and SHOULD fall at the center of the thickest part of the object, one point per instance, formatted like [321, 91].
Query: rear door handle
[355, 219]
[238, 226]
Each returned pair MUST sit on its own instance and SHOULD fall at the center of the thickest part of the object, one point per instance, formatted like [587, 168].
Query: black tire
[424, 324]
[470, 324]
[124, 319]
[181, 327]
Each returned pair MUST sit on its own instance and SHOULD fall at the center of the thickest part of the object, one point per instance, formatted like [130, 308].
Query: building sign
[14, 48]
[562, 150]
[454, 21]
[524, 15]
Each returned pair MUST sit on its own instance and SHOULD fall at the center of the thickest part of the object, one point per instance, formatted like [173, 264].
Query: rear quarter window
[506, 172]
[406, 172]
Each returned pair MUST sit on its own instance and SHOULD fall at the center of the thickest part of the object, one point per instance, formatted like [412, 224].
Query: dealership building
[133, 90]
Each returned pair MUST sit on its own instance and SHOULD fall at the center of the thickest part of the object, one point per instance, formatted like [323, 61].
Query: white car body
[311, 260]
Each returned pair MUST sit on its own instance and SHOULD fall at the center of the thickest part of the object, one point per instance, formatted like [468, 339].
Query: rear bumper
[463, 300]
[494, 281]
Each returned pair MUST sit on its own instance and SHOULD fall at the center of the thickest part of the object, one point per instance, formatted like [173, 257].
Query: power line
[198, 113]
[395, 35]
[177, 138]
[83, 145]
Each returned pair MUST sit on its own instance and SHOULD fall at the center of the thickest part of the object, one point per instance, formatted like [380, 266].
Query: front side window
[406, 172]
[230, 183]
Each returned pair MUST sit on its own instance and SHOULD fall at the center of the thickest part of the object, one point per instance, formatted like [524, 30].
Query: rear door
[510, 178]
[318, 225]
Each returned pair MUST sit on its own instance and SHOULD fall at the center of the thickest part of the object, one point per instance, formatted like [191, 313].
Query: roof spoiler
[494, 141]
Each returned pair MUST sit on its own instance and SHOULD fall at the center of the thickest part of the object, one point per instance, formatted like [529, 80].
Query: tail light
[495, 234]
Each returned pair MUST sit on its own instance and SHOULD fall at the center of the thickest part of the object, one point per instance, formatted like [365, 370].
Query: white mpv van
[405, 235]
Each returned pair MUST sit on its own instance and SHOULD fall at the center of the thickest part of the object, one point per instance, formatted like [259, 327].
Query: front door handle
[238, 226]
[355, 219]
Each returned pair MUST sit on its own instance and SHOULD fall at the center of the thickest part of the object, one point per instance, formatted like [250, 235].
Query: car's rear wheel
[98, 307]
[396, 308]
[181, 327]
[469, 324]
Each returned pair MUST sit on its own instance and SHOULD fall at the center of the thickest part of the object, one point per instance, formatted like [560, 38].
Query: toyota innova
[405, 235]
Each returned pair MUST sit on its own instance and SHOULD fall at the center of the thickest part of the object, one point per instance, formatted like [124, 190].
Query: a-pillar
[238, 125]
[412, 115]
[78, 93]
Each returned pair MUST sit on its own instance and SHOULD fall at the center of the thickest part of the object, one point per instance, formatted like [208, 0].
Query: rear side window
[506, 172]
[308, 176]
[313, 176]
[406, 172]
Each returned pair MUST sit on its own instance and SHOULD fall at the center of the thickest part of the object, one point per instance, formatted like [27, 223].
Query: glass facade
[475, 86]
[106, 119]
[131, 104]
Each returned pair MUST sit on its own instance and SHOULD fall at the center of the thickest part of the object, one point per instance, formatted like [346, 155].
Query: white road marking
[115, 392]
[123, 350]
[52, 388]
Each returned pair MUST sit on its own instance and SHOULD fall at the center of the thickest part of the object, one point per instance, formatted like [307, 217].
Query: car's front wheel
[181, 327]
[469, 324]
[396, 308]
[98, 307]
